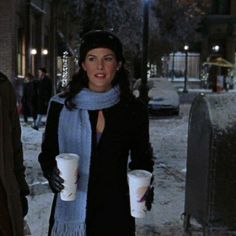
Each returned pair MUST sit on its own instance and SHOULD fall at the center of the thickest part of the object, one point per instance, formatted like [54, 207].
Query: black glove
[24, 204]
[55, 181]
[149, 195]
[149, 198]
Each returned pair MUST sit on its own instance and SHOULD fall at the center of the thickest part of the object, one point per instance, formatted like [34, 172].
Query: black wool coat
[124, 144]
[29, 98]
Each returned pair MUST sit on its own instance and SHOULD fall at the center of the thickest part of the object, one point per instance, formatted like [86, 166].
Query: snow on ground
[40, 197]
[169, 140]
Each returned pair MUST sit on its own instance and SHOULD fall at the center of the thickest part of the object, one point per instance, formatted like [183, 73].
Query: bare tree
[124, 18]
[179, 20]
[172, 23]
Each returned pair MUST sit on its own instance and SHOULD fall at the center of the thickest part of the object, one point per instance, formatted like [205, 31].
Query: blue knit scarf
[75, 136]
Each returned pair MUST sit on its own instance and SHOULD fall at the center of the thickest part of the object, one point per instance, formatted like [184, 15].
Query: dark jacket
[29, 98]
[126, 129]
[13, 185]
[44, 93]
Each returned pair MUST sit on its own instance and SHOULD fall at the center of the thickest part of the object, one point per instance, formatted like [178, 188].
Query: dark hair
[43, 69]
[29, 75]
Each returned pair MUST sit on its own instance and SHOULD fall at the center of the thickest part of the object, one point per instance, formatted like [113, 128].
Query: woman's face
[101, 66]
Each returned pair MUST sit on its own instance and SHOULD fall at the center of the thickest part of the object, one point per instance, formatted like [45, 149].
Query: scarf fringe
[68, 229]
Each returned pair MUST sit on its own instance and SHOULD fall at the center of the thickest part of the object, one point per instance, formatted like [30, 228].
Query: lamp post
[44, 58]
[143, 87]
[33, 52]
[186, 48]
[215, 71]
[173, 67]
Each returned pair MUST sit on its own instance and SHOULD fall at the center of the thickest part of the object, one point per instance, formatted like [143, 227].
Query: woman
[13, 186]
[100, 120]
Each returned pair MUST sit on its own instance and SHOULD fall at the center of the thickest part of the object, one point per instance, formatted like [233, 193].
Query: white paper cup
[68, 164]
[139, 181]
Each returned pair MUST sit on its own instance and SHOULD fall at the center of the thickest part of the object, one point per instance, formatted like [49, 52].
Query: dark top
[44, 93]
[29, 98]
[126, 131]
[5, 220]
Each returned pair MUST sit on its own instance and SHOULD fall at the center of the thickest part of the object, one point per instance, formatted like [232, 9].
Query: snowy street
[169, 141]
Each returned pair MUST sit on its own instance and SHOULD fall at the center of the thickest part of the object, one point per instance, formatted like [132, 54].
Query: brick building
[24, 25]
[26, 37]
[8, 36]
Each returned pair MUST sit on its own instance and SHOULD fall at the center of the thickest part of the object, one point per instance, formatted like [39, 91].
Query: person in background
[44, 93]
[99, 119]
[29, 98]
[13, 186]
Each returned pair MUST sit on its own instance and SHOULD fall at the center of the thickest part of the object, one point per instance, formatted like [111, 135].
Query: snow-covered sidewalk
[40, 197]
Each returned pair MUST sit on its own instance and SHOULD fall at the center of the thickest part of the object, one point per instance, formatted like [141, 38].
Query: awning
[221, 62]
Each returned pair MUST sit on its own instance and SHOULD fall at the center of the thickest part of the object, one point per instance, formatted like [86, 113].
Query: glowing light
[65, 69]
[45, 52]
[186, 47]
[33, 51]
[216, 48]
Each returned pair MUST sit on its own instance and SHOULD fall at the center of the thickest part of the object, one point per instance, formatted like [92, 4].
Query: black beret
[100, 39]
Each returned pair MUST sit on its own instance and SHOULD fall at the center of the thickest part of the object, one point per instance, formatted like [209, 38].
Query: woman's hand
[55, 181]
[149, 197]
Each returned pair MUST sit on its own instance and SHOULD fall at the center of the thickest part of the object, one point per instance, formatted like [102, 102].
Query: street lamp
[44, 51]
[33, 51]
[186, 48]
[216, 48]
[143, 88]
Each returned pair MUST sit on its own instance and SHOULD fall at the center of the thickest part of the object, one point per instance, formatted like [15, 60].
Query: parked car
[163, 96]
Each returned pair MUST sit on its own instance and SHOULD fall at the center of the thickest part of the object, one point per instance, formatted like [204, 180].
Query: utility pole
[186, 48]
